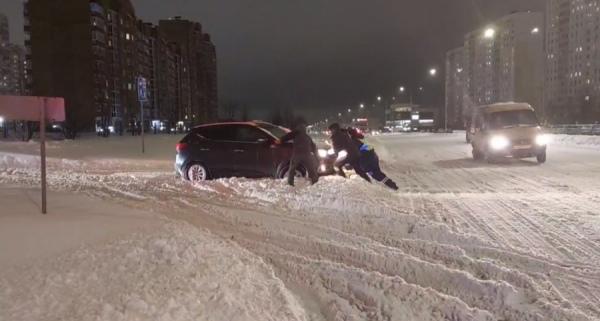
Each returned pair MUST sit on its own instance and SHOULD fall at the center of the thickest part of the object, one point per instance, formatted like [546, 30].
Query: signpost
[39, 109]
[142, 88]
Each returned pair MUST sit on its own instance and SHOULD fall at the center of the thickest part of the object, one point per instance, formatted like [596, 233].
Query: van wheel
[541, 157]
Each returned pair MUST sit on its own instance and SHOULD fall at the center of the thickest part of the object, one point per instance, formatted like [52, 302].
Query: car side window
[250, 134]
[220, 133]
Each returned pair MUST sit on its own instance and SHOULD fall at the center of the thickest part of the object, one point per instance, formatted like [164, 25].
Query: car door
[220, 149]
[252, 146]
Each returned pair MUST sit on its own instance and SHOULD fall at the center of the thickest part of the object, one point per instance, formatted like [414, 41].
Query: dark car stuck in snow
[239, 149]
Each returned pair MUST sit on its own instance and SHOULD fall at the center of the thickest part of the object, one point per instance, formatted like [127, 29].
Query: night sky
[323, 55]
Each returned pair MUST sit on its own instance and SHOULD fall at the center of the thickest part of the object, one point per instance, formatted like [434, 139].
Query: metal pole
[143, 142]
[43, 153]
[446, 117]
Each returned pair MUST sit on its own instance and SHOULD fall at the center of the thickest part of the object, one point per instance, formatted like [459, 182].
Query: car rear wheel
[196, 173]
[300, 172]
[541, 157]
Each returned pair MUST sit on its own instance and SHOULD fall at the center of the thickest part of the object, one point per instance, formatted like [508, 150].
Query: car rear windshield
[273, 129]
[191, 138]
[513, 118]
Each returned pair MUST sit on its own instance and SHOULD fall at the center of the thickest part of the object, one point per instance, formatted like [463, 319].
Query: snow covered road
[461, 240]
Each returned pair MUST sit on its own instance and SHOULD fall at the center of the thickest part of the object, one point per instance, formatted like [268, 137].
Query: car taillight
[180, 147]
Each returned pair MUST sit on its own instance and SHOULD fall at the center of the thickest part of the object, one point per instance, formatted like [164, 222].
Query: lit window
[127, 36]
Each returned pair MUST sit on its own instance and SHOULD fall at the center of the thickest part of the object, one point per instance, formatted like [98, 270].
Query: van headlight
[499, 142]
[542, 140]
[322, 153]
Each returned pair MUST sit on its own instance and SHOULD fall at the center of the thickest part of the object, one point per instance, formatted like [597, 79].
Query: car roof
[226, 123]
[501, 107]
[254, 123]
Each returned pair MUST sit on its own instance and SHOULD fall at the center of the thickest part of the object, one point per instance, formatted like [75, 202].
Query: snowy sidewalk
[92, 260]
[73, 220]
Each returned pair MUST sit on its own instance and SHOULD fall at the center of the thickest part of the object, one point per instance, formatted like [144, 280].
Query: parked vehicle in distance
[507, 129]
[361, 124]
[238, 149]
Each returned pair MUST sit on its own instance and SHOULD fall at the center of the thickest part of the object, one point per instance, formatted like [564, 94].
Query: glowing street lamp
[362, 106]
[402, 89]
[349, 110]
[489, 33]
[378, 98]
[535, 30]
[433, 72]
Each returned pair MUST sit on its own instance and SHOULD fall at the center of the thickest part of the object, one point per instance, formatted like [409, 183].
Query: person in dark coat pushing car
[341, 141]
[304, 153]
[369, 160]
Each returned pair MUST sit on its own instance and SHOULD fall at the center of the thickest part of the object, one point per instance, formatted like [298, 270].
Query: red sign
[30, 108]
[40, 109]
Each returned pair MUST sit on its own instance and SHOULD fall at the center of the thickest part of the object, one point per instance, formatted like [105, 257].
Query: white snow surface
[461, 240]
[122, 264]
[577, 140]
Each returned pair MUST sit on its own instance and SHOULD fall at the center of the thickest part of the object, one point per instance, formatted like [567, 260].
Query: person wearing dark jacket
[341, 141]
[304, 154]
[369, 160]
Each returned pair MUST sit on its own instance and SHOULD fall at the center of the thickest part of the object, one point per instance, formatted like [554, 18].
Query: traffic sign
[142, 87]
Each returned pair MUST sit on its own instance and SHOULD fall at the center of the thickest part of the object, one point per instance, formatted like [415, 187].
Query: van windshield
[513, 118]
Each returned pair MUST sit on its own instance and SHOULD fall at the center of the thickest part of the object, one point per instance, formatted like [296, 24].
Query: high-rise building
[92, 53]
[12, 63]
[199, 77]
[455, 87]
[4, 30]
[502, 62]
[573, 60]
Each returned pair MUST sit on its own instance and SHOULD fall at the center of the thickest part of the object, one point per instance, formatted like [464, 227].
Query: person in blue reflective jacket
[369, 160]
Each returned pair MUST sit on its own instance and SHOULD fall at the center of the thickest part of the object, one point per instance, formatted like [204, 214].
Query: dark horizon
[323, 57]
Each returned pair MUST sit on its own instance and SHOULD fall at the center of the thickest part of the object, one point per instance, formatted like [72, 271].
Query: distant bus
[362, 124]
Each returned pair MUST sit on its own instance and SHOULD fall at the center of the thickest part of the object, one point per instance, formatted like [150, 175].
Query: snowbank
[577, 140]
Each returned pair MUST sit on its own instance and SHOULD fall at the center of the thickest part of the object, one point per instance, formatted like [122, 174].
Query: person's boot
[391, 184]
